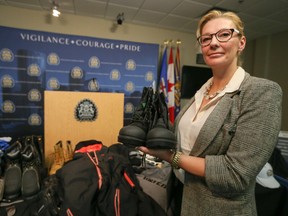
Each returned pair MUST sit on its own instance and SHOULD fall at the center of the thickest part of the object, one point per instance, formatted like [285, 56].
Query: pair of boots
[60, 156]
[22, 172]
[150, 123]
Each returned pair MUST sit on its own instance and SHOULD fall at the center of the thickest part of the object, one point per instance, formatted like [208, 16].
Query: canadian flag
[171, 83]
[177, 86]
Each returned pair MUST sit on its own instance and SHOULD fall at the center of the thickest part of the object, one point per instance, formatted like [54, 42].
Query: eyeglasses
[223, 35]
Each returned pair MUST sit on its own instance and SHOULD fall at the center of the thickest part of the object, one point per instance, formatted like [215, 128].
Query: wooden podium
[63, 118]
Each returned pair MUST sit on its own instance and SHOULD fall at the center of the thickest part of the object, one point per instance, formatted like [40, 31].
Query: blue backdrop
[34, 61]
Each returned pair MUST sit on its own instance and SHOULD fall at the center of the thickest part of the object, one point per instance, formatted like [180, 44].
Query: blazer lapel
[212, 125]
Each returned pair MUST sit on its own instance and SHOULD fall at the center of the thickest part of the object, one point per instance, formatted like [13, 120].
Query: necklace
[211, 96]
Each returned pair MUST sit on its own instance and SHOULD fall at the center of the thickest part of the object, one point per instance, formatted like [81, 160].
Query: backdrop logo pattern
[32, 62]
[53, 83]
[77, 73]
[6, 55]
[93, 85]
[131, 64]
[7, 81]
[34, 70]
[94, 62]
[53, 59]
[8, 107]
[34, 95]
[129, 108]
[34, 119]
[115, 74]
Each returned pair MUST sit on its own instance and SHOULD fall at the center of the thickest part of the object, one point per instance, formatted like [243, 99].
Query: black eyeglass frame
[216, 36]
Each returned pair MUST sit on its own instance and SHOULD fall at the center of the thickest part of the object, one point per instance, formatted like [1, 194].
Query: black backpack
[102, 183]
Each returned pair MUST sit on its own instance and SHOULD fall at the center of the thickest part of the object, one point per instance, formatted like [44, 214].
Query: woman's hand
[163, 154]
[191, 164]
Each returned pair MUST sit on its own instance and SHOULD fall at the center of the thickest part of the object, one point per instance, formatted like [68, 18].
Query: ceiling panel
[96, 9]
[114, 9]
[237, 6]
[146, 16]
[130, 3]
[174, 21]
[261, 17]
[281, 16]
[265, 8]
[161, 5]
[190, 9]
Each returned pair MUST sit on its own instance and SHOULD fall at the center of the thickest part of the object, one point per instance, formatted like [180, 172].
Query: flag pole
[177, 98]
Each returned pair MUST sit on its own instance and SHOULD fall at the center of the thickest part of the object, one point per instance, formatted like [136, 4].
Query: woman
[228, 130]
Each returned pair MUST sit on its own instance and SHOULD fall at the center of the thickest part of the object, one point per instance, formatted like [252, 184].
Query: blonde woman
[228, 130]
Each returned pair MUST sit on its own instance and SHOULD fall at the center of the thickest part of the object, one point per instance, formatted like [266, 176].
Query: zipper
[95, 161]
[117, 202]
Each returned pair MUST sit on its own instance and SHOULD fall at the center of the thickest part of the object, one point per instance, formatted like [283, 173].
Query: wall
[95, 27]
[269, 60]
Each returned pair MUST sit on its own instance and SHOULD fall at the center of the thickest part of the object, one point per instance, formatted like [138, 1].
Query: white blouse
[193, 119]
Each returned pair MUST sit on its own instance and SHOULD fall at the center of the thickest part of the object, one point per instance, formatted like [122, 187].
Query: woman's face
[221, 54]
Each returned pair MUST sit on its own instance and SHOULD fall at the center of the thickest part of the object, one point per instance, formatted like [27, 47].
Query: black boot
[135, 133]
[37, 143]
[160, 136]
[13, 172]
[31, 175]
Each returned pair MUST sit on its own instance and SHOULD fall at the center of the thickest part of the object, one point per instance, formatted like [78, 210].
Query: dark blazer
[236, 141]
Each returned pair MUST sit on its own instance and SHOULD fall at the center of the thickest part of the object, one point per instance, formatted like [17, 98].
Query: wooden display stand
[61, 123]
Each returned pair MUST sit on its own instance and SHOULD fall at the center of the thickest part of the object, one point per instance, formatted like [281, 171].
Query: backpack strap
[95, 161]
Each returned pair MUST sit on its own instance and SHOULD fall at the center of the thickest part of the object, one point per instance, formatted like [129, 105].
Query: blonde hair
[213, 14]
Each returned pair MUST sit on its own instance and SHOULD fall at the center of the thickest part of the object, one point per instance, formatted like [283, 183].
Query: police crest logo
[7, 81]
[34, 70]
[34, 119]
[86, 111]
[129, 108]
[8, 107]
[131, 65]
[129, 87]
[149, 76]
[53, 59]
[6, 55]
[34, 95]
[77, 73]
[115, 74]
[94, 62]
[53, 83]
[93, 85]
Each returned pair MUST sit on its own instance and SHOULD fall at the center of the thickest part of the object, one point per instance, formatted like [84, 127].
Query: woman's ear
[242, 44]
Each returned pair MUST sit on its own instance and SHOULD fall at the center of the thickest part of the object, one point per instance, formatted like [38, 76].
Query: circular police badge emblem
[53, 83]
[130, 65]
[34, 95]
[7, 81]
[53, 59]
[86, 111]
[6, 55]
[114, 74]
[129, 108]
[34, 119]
[149, 76]
[93, 85]
[129, 87]
[8, 107]
[76, 73]
[34, 70]
[94, 62]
